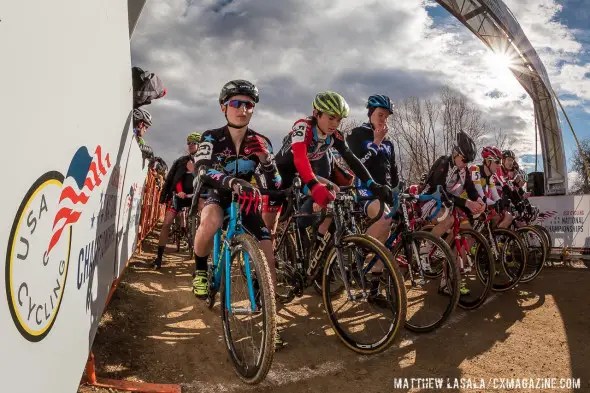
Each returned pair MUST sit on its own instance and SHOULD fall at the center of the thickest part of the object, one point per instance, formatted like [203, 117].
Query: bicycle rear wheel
[433, 296]
[511, 261]
[251, 349]
[381, 295]
[534, 242]
[547, 236]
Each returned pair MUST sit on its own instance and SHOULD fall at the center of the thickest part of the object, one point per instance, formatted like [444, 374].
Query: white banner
[66, 103]
[129, 210]
[566, 218]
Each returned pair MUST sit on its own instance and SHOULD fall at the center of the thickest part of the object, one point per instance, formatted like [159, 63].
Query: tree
[581, 184]
[424, 130]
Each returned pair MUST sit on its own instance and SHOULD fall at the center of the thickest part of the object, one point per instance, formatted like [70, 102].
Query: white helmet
[140, 114]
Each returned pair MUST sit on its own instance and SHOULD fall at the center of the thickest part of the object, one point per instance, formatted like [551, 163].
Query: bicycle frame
[485, 224]
[222, 258]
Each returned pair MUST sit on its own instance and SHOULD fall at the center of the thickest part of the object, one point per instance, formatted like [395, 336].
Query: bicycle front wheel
[364, 295]
[248, 310]
[432, 280]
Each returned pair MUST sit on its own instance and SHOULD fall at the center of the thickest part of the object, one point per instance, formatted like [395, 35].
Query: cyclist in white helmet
[142, 120]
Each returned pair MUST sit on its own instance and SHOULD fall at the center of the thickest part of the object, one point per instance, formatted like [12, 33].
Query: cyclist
[508, 168]
[484, 179]
[142, 120]
[369, 142]
[305, 149]
[179, 181]
[450, 172]
[231, 155]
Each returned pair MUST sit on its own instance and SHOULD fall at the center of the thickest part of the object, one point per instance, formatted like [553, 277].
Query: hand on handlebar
[383, 192]
[475, 207]
[322, 195]
[248, 196]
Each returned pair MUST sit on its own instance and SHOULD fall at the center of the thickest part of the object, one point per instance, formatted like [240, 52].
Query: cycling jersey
[503, 177]
[453, 181]
[484, 184]
[217, 154]
[302, 146]
[175, 174]
[379, 160]
[185, 184]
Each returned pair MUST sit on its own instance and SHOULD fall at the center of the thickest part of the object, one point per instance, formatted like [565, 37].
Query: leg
[380, 229]
[168, 219]
[506, 221]
[211, 221]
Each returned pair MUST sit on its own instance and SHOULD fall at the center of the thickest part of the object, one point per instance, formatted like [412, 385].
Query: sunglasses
[192, 143]
[238, 104]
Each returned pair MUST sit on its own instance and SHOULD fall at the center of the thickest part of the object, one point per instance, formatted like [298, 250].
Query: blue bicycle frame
[394, 235]
[221, 249]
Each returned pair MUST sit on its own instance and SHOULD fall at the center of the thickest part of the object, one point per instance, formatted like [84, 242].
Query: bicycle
[474, 256]
[345, 266]
[509, 263]
[236, 256]
[535, 240]
[180, 227]
[415, 251]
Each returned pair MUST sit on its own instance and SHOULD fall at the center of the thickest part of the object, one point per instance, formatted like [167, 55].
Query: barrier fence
[151, 210]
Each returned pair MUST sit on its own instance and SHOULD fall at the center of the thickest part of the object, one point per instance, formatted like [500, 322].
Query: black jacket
[174, 175]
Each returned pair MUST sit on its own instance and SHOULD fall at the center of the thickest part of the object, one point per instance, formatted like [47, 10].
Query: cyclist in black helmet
[451, 173]
[231, 155]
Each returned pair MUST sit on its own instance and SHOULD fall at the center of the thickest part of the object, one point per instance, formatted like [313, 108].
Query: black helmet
[237, 87]
[465, 146]
[508, 154]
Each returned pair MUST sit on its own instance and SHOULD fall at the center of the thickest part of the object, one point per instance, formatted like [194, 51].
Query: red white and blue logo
[39, 247]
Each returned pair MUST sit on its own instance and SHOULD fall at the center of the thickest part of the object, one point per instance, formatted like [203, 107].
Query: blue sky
[573, 15]
[295, 48]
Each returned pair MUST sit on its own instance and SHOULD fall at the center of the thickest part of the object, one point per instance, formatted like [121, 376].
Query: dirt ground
[154, 330]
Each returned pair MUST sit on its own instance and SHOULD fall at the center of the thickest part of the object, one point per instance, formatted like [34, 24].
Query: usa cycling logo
[38, 252]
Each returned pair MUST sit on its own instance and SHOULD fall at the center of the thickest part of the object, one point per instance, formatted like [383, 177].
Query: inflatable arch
[493, 23]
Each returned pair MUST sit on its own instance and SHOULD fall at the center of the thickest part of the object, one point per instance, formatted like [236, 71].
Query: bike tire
[288, 247]
[516, 277]
[256, 374]
[533, 270]
[453, 276]
[480, 300]
[547, 237]
[399, 296]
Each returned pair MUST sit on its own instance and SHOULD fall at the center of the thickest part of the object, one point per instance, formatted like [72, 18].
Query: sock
[201, 262]
[161, 251]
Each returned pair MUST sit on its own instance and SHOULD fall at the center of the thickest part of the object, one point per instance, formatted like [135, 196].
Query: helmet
[331, 103]
[193, 137]
[465, 146]
[140, 114]
[238, 87]
[508, 154]
[491, 152]
[380, 101]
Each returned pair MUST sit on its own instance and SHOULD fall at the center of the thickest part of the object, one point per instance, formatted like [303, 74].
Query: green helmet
[331, 103]
[193, 137]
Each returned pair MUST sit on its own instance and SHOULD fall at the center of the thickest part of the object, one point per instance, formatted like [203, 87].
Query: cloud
[294, 48]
